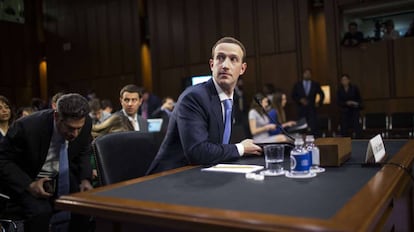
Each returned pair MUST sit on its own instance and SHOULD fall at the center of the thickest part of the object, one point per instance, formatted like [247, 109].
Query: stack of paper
[235, 168]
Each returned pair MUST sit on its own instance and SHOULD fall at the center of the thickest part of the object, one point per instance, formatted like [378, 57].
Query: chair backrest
[402, 120]
[124, 155]
[375, 121]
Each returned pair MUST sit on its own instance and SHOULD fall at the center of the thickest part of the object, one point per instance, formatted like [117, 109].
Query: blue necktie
[63, 188]
[227, 121]
[63, 183]
[307, 87]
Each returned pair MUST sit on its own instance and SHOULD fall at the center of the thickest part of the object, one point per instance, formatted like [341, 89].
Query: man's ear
[243, 69]
[211, 62]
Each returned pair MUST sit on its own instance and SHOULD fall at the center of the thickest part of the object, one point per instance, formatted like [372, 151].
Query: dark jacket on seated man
[195, 132]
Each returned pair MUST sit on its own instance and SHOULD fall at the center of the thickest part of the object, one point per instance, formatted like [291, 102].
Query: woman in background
[277, 113]
[260, 124]
[349, 102]
[6, 116]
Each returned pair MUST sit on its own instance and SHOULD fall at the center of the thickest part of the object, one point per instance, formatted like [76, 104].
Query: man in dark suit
[150, 103]
[304, 94]
[164, 112]
[198, 132]
[130, 97]
[34, 145]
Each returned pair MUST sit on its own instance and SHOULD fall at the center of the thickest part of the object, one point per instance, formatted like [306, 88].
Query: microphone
[277, 123]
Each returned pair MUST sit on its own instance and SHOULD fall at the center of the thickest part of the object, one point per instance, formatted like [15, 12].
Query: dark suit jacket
[25, 147]
[351, 95]
[298, 92]
[159, 113]
[195, 131]
[143, 124]
[153, 103]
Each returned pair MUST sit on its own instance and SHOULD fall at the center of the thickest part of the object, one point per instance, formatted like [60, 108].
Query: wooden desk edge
[350, 218]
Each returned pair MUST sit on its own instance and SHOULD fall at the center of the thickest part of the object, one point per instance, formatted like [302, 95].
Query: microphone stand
[277, 123]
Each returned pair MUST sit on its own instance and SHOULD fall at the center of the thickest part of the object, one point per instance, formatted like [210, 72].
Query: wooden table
[384, 202]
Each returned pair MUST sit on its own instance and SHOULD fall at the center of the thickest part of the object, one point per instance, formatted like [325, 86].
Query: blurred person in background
[6, 116]
[277, 113]
[106, 105]
[350, 104]
[97, 114]
[390, 33]
[259, 122]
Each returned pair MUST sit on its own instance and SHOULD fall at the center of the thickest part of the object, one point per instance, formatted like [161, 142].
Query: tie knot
[227, 104]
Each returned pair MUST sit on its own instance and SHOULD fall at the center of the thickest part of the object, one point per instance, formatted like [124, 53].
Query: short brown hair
[229, 40]
[131, 88]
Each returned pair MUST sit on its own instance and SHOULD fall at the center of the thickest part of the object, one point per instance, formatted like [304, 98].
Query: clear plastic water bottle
[300, 159]
[314, 154]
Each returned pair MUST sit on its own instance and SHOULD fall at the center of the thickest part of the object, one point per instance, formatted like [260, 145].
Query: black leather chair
[124, 155]
[401, 125]
[375, 123]
[10, 217]
[325, 126]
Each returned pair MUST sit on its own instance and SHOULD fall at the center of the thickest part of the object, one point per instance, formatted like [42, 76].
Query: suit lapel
[216, 108]
[45, 137]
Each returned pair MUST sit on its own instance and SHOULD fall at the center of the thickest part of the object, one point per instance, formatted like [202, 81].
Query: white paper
[234, 168]
[375, 148]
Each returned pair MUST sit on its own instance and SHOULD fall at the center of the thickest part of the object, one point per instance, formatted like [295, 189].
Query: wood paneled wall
[96, 45]
[19, 58]
[92, 45]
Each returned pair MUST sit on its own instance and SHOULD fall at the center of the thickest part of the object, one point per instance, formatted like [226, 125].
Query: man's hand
[36, 188]
[303, 101]
[85, 185]
[250, 147]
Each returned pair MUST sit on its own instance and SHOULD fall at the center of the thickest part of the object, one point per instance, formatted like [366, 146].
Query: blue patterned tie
[63, 171]
[227, 121]
[63, 188]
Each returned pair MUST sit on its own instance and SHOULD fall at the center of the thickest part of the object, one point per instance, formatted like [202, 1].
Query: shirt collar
[223, 96]
[56, 136]
[134, 118]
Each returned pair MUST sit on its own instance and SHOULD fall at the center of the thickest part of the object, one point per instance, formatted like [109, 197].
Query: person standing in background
[353, 37]
[304, 94]
[390, 33]
[350, 103]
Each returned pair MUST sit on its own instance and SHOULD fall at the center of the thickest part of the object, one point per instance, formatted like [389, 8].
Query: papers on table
[234, 168]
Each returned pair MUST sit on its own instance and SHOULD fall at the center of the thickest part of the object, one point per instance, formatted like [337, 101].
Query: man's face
[130, 103]
[5, 112]
[353, 29]
[307, 75]
[227, 65]
[69, 128]
[345, 81]
[169, 104]
[96, 114]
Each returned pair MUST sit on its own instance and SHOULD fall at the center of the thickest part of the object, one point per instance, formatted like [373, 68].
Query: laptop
[154, 124]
